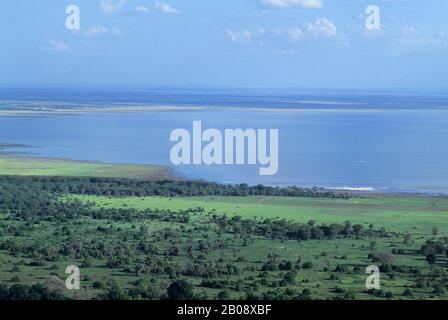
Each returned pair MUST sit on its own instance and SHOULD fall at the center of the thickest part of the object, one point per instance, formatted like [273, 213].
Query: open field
[417, 215]
[59, 167]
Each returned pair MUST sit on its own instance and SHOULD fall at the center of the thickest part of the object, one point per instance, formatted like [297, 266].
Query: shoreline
[161, 172]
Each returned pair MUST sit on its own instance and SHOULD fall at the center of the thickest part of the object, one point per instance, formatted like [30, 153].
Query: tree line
[168, 188]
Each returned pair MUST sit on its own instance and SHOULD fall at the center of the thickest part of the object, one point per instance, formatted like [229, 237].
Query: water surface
[394, 150]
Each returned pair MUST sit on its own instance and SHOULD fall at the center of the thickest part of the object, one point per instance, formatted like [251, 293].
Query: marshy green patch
[24, 166]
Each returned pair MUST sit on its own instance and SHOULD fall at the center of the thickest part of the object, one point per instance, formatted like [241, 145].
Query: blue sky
[232, 43]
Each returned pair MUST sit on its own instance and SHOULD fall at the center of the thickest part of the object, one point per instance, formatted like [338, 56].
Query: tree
[341, 268]
[421, 283]
[431, 247]
[285, 265]
[431, 258]
[180, 290]
[290, 278]
[299, 262]
[435, 231]
[114, 293]
[224, 295]
[272, 257]
[408, 293]
[438, 290]
[383, 257]
[357, 229]
[349, 295]
[307, 265]
[407, 238]
[88, 262]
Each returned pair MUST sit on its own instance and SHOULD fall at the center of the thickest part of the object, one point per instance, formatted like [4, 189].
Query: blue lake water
[391, 150]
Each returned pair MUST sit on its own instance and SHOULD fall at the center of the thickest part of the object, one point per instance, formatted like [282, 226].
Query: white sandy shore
[352, 188]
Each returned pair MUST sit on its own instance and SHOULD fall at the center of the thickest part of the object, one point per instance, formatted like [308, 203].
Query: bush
[180, 290]
[224, 295]
[439, 290]
[307, 265]
[385, 268]
[341, 268]
[269, 267]
[421, 283]
[290, 278]
[383, 257]
[88, 263]
[99, 285]
[349, 295]
[285, 265]
[408, 293]
[431, 258]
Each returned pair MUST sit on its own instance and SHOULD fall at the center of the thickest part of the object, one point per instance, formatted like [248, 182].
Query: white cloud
[311, 4]
[237, 36]
[408, 31]
[372, 33]
[409, 39]
[142, 9]
[295, 34]
[99, 30]
[116, 32]
[289, 39]
[56, 45]
[274, 38]
[322, 26]
[111, 6]
[165, 8]
[96, 30]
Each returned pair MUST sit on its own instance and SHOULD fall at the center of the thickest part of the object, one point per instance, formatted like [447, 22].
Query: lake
[335, 142]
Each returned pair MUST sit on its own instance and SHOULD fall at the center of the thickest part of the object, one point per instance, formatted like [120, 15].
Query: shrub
[341, 268]
[307, 265]
[408, 293]
[180, 290]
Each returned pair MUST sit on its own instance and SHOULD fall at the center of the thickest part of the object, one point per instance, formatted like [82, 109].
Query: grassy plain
[25, 166]
[416, 214]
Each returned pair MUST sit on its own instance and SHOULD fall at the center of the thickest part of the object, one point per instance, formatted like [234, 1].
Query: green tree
[224, 294]
[435, 231]
[180, 290]
[431, 258]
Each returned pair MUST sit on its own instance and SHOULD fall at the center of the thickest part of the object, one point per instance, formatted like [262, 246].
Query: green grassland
[414, 215]
[417, 215]
[60, 167]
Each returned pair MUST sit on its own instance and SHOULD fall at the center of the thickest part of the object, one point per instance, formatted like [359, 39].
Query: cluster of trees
[24, 292]
[432, 250]
[112, 291]
[289, 230]
[177, 290]
[119, 254]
